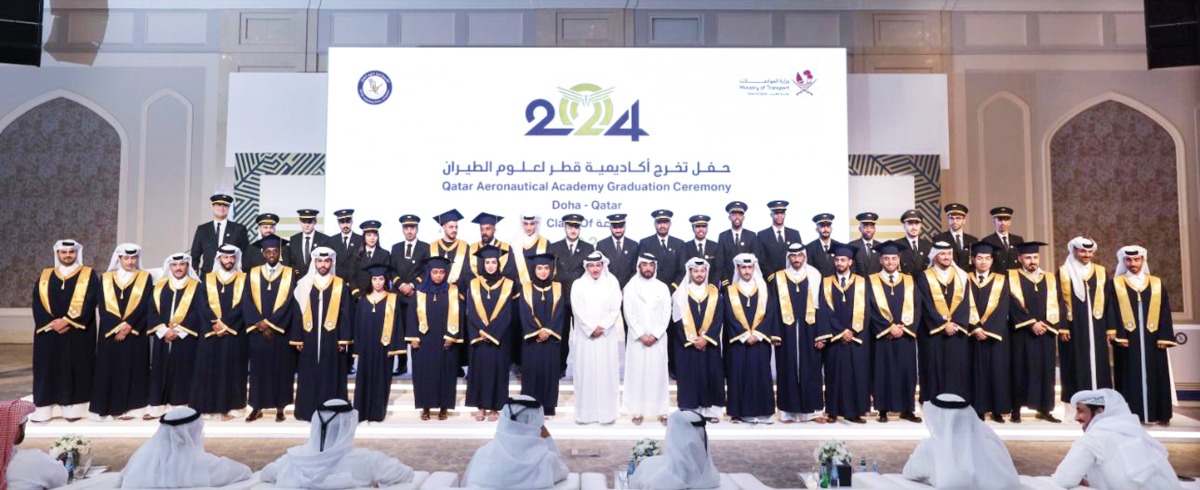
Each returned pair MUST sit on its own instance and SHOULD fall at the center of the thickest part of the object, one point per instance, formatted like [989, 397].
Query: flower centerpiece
[834, 451]
[69, 449]
[644, 448]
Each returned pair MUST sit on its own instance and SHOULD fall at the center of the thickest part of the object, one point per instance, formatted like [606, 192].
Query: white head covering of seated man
[1115, 451]
[174, 457]
[685, 462]
[519, 457]
[962, 452]
[329, 459]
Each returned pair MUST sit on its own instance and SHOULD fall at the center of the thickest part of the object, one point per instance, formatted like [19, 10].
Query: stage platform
[403, 422]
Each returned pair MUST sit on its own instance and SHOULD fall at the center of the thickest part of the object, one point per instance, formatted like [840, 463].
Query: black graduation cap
[383, 269]
[545, 258]
[219, 198]
[982, 248]
[736, 207]
[1002, 212]
[344, 214]
[1029, 247]
[616, 219]
[490, 251]
[956, 208]
[410, 220]
[308, 214]
[662, 215]
[911, 215]
[891, 247]
[448, 216]
[486, 219]
[270, 242]
[778, 206]
[436, 262]
[267, 219]
[573, 219]
[823, 218]
[699, 219]
[844, 250]
[370, 225]
[867, 217]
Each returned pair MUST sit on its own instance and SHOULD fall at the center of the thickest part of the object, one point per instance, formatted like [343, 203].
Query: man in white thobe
[685, 462]
[647, 306]
[1115, 451]
[596, 305]
[329, 459]
[522, 456]
[174, 457]
[962, 452]
[29, 469]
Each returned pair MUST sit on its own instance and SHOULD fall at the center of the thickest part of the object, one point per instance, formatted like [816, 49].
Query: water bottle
[834, 481]
[862, 465]
[825, 475]
[875, 465]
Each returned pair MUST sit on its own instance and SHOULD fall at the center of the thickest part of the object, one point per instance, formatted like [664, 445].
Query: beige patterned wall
[59, 170]
[1113, 175]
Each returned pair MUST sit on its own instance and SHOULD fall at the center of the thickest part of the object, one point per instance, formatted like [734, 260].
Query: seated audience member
[1115, 452]
[962, 452]
[329, 461]
[685, 462]
[174, 457]
[28, 469]
[522, 456]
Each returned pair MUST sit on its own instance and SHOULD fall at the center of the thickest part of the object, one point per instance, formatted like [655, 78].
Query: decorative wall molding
[927, 182]
[1027, 148]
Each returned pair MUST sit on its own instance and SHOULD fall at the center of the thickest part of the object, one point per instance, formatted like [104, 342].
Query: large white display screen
[591, 131]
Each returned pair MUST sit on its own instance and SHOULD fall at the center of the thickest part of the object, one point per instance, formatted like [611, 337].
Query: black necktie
[570, 249]
[868, 249]
[737, 239]
[220, 238]
[700, 248]
[958, 238]
[891, 278]
[843, 282]
[346, 242]
[915, 249]
[368, 255]
[307, 248]
[1004, 240]
[619, 245]
[408, 251]
[663, 242]
[826, 247]
[779, 236]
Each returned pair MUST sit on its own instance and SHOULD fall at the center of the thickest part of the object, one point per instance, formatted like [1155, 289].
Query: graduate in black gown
[750, 333]
[268, 311]
[174, 332]
[987, 305]
[542, 309]
[433, 331]
[452, 249]
[944, 318]
[794, 293]
[378, 332]
[842, 328]
[1140, 301]
[219, 379]
[488, 304]
[894, 317]
[64, 339]
[122, 371]
[1083, 342]
[698, 317]
[1035, 312]
[321, 332]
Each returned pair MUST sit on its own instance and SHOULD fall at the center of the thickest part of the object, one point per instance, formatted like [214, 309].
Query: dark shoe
[443, 414]
[911, 417]
[425, 414]
[856, 420]
[254, 415]
[1048, 417]
[883, 417]
[1015, 417]
[997, 418]
[280, 416]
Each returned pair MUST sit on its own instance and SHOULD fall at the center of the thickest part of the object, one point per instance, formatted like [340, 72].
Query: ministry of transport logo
[374, 87]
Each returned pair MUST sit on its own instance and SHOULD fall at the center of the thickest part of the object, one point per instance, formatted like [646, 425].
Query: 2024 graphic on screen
[600, 122]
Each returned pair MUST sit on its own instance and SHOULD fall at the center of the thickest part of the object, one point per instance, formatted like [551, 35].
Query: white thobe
[647, 309]
[596, 372]
[361, 467]
[1097, 458]
[34, 470]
